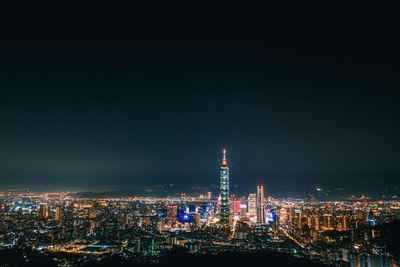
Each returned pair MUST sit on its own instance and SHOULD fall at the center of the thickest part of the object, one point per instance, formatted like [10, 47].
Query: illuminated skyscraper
[328, 221]
[275, 221]
[43, 212]
[236, 207]
[224, 173]
[243, 211]
[260, 204]
[252, 207]
[57, 214]
[172, 214]
[126, 219]
[315, 222]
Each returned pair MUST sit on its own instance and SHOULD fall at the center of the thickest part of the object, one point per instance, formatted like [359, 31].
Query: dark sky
[303, 104]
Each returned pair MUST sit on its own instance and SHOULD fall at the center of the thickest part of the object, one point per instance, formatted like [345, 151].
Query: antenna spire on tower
[224, 157]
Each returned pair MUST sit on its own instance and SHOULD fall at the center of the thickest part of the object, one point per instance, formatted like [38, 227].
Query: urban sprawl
[146, 229]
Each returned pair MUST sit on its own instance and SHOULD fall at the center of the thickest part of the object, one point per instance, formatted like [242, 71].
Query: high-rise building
[57, 214]
[252, 207]
[43, 212]
[328, 222]
[224, 174]
[275, 222]
[126, 219]
[243, 211]
[172, 213]
[342, 223]
[260, 204]
[236, 207]
[315, 222]
[283, 216]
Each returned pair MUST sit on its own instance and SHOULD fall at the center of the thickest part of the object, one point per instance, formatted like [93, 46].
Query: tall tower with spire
[224, 188]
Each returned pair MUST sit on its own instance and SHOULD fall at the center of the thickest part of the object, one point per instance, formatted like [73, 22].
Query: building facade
[252, 207]
[260, 204]
[224, 190]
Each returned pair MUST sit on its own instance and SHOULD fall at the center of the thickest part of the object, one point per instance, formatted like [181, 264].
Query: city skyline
[312, 191]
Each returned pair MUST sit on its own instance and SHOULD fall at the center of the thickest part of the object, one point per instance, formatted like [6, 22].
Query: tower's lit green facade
[224, 174]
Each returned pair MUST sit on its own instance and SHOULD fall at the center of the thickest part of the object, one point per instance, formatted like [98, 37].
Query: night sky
[294, 108]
